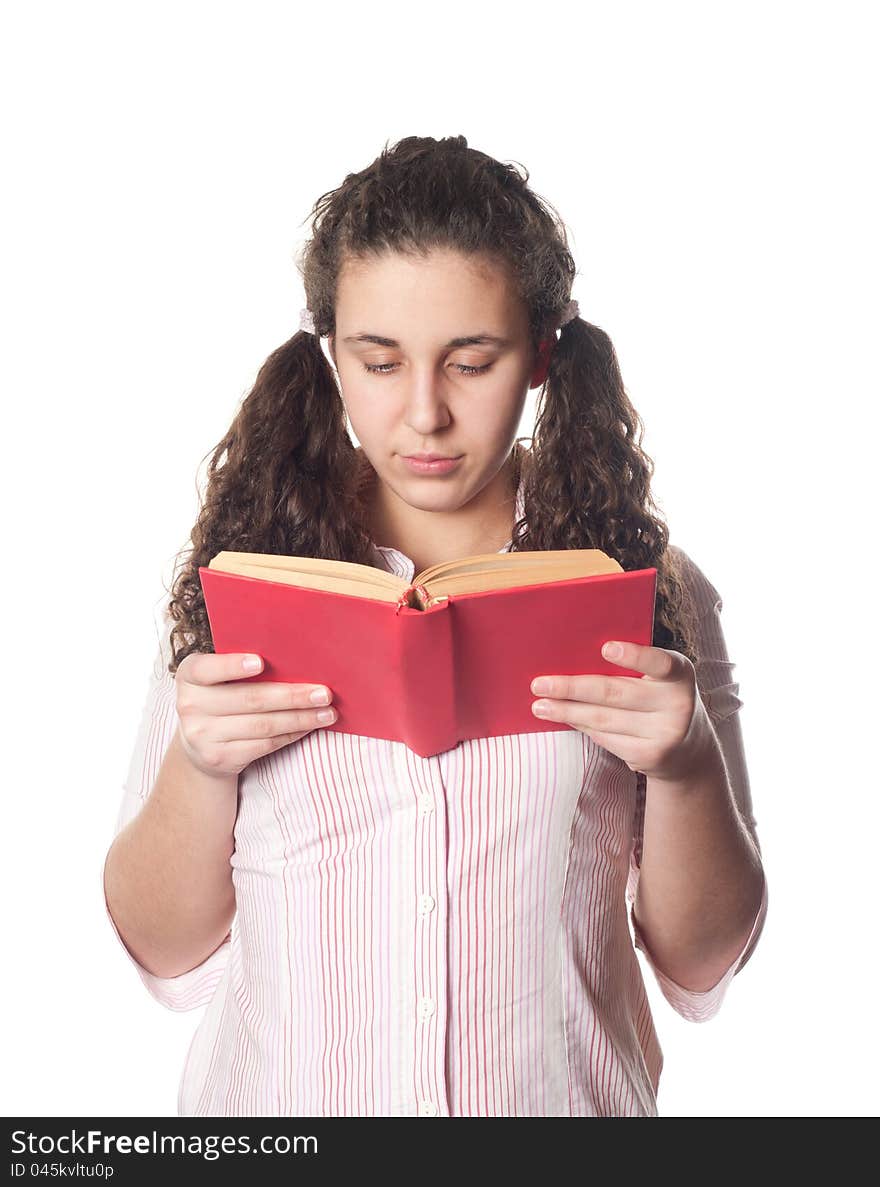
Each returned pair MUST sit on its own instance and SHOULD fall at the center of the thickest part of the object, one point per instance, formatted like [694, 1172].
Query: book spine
[405, 601]
[416, 597]
[427, 678]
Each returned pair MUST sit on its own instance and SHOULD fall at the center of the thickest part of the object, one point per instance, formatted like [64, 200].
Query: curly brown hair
[286, 477]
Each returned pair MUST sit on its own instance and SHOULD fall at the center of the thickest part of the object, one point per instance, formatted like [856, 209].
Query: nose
[427, 407]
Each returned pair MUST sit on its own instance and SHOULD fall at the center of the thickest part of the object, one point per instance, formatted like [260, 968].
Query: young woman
[376, 933]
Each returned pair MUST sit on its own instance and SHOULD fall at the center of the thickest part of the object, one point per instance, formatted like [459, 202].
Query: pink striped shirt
[443, 936]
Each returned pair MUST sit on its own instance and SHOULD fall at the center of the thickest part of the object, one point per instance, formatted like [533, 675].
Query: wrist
[706, 768]
[219, 779]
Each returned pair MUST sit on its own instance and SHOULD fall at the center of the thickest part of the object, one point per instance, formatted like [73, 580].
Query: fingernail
[612, 651]
[540, 684]
[319, 696]
[251, 663]
[325, 716]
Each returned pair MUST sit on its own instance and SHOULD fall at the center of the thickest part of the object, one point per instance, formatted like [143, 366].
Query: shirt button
[426, 1007]
[428, 1109]
[426, 804]
[426, 904]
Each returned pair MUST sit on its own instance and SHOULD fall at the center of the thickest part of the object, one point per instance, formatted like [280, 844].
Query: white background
[715, 167]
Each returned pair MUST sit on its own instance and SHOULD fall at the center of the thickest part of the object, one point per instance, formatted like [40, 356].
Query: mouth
[432, 457]
[431, 463]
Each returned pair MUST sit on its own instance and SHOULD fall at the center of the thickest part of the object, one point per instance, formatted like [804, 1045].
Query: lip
[431, 463]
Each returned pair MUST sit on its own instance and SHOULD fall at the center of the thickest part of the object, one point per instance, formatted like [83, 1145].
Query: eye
[464, 369]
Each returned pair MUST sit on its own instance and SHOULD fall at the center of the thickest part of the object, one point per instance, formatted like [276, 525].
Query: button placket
[431, 941]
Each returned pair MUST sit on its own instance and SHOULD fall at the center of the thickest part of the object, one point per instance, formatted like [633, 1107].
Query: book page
[470, 574]
[474, 574]
[344, 577]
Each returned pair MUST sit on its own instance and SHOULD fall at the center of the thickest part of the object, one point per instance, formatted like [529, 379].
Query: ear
[542, 360]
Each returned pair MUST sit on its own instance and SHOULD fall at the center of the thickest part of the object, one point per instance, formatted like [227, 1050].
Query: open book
[445, 658]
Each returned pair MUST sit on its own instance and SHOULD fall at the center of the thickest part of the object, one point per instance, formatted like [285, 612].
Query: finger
[242, 754]
[235, 698]
[210, 668]
[658, 663]
[624, 722]
[625, 692]
[258, 727]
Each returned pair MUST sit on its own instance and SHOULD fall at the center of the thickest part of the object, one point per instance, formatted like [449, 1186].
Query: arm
[702, 841]
[702, 880]
[167, 876]
[171, 836]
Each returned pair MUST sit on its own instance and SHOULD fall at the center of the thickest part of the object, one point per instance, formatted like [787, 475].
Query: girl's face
[407, 385]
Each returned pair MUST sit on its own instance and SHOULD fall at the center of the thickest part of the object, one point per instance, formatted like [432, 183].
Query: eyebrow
[452, 344]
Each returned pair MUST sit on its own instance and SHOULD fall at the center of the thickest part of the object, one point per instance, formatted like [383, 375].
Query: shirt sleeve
[158, 725]
[720, 695]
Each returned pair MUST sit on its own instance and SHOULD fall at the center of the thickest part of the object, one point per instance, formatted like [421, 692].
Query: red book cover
[460, 669]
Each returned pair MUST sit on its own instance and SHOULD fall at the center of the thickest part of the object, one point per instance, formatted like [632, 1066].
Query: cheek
[353, 391]
[496, 406]
[371, 418]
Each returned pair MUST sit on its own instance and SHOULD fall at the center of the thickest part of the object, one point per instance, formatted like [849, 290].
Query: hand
[656, 723]
[227, 722]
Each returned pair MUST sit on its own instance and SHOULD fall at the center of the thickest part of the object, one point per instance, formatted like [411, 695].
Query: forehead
[450, 288]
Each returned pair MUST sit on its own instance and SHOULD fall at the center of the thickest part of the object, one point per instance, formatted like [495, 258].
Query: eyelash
[377, 368]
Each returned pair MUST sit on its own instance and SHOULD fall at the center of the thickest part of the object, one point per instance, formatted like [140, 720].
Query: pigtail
[589, 481]
[280, 481]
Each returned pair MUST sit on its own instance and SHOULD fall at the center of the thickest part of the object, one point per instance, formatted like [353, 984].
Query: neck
[485, 525]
